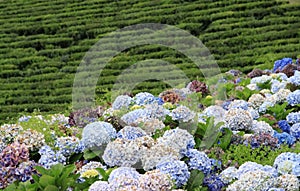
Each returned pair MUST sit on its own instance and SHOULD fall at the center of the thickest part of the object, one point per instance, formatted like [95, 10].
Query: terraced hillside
[43, 42]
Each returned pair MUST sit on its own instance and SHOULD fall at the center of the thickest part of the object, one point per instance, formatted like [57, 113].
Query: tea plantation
[43, 42]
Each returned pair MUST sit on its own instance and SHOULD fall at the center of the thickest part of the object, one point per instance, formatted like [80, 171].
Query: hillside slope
[43, 42]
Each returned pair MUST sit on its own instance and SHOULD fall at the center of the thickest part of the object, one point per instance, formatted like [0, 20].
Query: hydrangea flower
[143, 98]
[155, 180]
[287, 163]
[92, 165]
[277, 85]
[215, 111]
[280, 64]
[198, 160]
[294, 98]
[182, 113]
[177, 169]
[122, 177]
[13, 154]
[293, 117]
[25, 170]
[214, 183]
[295, 130]
[156, 154]
[100, 186]
[295, 80]
[261, 79]
[238, 104]
[151, 125]
[228, 175]
[122, 101]
[284, 138]
[50, 157]
[132, 116]
[281, 95]
[130, 133]
[256, 100]
[265, 105]
[97, 134]
[238, 119]
[121, 152]
[257, 180]
[178, 139]
[8, 132]
[32, 139]
[261, 127]
[253, 166]
[254, 113]
[284, 126]
[288, 182]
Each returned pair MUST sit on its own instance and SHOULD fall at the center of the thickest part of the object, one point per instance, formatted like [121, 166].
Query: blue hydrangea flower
[261, 79]
[280, 64]
[100, 185]
[131, 133]
[263, 108]
[121, 101]
[253, 166]
[295, 130]
[295, 80]
[97, 134]
[50, 157]
[199, 160]
[214, 183]
[143, 98]
[284, 138]
[284, 126]
[177, 169]
[293, 117]
[68, 145]
[182, 113]
[294, 98]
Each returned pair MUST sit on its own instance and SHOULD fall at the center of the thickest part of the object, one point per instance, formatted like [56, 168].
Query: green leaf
[88, 154]
[42, 170]
[47, 180]
[195, 180]
[51, 188]
[57, 169]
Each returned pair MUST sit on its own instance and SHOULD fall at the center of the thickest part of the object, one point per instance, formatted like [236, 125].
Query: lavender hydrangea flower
[214, 183]
[97, 134]
[294, 98]
[293, 117]
[122, 101]
[295, 130]
[177, 169]
[198, 160]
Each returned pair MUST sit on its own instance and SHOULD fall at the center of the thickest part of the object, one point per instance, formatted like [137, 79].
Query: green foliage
[265, 85]
[195, 181]
[279, 111]
[264, 155]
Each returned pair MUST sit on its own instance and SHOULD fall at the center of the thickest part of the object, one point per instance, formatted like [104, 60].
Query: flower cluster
[295, 80]
[262, 139]
[183, 114]
[155, 180]
[293, 117]
[199, 160]
[294, 98]
[295, 130]
[177, 169]
[130, 133]
[122, 101]
[32, 139]
[69, 145]
[49, 157]
[8, 132]
[280, 64]
[88, 170]
[288, 163]
[123, 177]
[97, 134]
[170, 96]
[152, 125]
[143, 98]
[197, 86]
[284, 126]
[178, 139]
[256, 100]
[284, 138]
[214, 182]
[238, 119]
[238, 104]
[259, 127]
